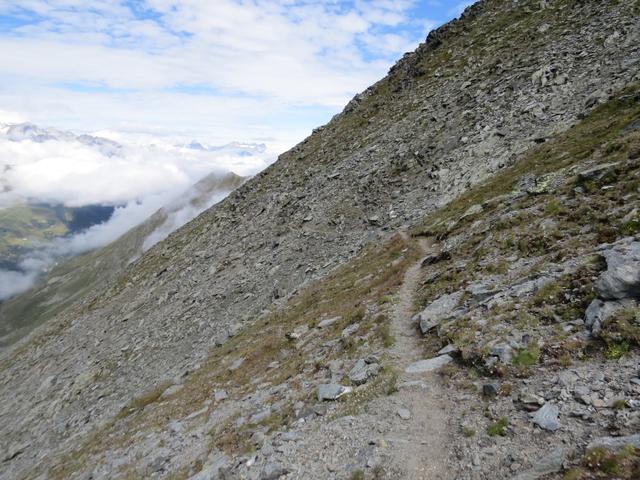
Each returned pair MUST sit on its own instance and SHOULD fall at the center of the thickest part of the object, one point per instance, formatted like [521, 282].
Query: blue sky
[218, 70]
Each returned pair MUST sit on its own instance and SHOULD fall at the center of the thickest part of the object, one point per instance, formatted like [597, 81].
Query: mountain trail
[420, 452]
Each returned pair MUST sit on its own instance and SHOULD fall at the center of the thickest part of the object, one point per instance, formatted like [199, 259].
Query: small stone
[291, 436]
[374, 220]
[297, 332]
[172, 390]
[404, 414]
[220, 395]
[236, 364]
[332, 391]
[175, 426]
[530, 399]
[448, 349]
[547, 417]
[320, 410]
[272, 471]
[328, 322]
[350, 330]
[472, 210]
[503, 352]
[490, 389]
[257, 438]
[260, 416]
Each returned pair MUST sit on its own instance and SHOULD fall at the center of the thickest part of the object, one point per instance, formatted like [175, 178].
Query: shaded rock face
[412, 142]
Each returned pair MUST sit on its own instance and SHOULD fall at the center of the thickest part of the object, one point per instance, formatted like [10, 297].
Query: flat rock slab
[616, 443]
[424, 366]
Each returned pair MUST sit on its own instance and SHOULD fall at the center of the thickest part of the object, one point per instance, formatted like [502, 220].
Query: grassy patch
[384, 331]
[527, 357]
[357, 475]
[605, 463]
[498, 428]
[468, 432]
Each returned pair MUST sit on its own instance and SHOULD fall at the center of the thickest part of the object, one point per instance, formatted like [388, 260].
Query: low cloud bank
[60, 167]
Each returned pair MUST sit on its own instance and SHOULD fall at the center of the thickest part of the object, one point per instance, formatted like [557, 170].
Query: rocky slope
[213, 354]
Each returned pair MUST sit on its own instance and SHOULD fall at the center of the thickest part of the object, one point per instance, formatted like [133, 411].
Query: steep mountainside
[211, 354]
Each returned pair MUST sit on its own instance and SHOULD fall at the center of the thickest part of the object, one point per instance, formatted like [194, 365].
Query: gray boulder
[441, 309]
[363, 371]
[622, 278]
[599, 311]
[597, 172]
[503, 351]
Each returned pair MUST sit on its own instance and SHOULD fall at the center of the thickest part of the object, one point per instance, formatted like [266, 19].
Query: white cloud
[141, 174]
[283, 53]
[15, 282]
[65, 170]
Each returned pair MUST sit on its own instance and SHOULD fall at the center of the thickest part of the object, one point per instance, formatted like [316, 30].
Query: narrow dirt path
[420, 450]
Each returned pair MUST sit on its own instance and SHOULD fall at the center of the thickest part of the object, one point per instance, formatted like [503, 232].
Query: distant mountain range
[29, 132]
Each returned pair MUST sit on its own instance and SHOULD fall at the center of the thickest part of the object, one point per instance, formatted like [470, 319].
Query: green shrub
[498, 428]
[357, 475]
[526, 357]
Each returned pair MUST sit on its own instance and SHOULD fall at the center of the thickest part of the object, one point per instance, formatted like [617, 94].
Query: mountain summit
[440, 283]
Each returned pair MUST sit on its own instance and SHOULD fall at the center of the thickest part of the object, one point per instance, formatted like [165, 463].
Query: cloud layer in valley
[58, 167]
